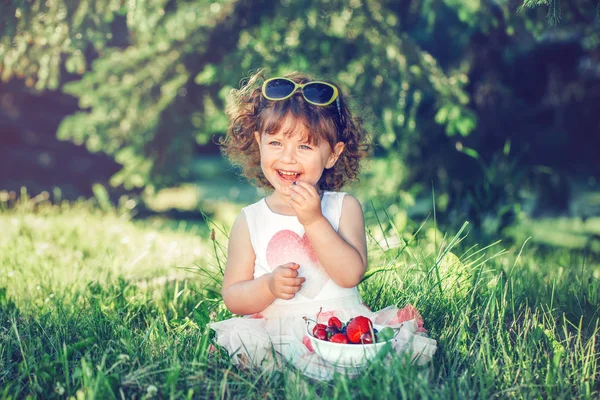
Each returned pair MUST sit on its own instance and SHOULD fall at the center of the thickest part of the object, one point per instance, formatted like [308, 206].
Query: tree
[447, 86]
[574, 9]
[154, 75]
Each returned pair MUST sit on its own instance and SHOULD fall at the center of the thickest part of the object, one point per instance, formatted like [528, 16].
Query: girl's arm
[242, 293]
[343, 254]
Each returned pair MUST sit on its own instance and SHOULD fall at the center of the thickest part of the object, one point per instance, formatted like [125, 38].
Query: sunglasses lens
[318, 93]
[279, 88]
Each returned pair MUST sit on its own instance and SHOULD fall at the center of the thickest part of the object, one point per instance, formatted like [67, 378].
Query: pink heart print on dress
[287, 246]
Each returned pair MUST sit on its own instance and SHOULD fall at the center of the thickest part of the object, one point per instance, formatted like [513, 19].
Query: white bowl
[347, 355]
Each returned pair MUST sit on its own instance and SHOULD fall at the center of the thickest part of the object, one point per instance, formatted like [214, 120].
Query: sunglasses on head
[314, 92]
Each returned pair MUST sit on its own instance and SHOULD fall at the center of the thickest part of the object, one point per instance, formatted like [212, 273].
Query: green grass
[94, 304]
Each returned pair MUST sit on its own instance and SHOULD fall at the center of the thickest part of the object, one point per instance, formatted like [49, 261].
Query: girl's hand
[306, 202]
[284, 282]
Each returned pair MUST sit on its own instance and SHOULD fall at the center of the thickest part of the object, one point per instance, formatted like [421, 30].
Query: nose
[288, 155]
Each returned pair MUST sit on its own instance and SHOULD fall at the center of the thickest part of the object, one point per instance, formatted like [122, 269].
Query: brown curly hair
[250, 112]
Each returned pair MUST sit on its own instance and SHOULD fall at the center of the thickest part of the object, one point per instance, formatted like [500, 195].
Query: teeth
[288, 173]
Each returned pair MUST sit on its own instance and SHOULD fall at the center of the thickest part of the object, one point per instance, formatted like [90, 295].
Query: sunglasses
[315, 92]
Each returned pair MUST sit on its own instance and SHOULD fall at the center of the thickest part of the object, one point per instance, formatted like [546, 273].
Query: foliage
[555, 9]
[433, 78]
[39, 39]
[86, 311]
[156, 74]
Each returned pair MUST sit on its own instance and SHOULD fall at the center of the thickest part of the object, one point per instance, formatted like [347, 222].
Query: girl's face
[285, 159]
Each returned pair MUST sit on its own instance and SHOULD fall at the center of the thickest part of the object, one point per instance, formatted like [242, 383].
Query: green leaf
[470, 152]
[207, 75]
[442, 115]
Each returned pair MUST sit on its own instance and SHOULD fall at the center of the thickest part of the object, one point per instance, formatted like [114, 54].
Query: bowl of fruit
[351, 344]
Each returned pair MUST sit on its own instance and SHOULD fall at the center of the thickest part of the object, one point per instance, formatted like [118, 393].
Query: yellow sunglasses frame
[297, 86]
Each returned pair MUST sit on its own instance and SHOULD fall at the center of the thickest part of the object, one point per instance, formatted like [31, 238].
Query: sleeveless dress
[279, 332]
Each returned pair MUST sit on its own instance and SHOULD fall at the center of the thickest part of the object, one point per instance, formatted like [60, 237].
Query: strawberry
[334, 322]
[339, 338]
[318, 326]
[356, 327]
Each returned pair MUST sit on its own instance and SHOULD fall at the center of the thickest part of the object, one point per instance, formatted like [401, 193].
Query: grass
[94, 304]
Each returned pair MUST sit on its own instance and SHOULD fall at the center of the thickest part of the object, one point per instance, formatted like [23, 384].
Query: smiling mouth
[288, 176]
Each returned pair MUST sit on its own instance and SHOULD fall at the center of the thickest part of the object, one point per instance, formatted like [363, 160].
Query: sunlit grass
[94, 304]
[58, 247]
[569, 232]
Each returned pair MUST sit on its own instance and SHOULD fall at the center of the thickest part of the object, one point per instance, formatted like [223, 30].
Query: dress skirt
[280, 333]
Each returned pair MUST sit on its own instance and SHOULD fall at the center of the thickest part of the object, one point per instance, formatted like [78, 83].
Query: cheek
[267, 159]
[325, 158]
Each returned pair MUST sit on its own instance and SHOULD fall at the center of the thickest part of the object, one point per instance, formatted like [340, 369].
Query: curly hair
[251, 112]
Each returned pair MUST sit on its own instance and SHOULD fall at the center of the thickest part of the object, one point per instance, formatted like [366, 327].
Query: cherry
[334, 322]
[367, 338]
[339, 338]
[318, 326]
[321, 334]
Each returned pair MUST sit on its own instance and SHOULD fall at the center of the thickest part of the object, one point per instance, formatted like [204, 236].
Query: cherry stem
[319, 313]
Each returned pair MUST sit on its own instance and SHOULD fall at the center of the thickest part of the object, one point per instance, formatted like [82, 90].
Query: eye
[305, 147]
[274, 143]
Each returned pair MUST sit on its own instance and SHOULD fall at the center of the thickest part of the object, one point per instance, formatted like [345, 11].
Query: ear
[257, 137]
[338, 149]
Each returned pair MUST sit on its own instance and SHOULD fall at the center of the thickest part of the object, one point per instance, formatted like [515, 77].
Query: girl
[301, 251]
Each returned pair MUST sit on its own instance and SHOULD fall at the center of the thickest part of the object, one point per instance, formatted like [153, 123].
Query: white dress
[279, 332]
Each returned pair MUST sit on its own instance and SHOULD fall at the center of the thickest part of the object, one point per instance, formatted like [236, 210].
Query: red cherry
[318, 326]
[367, 338]
[339, 338]
[334, 322]
[321, 334]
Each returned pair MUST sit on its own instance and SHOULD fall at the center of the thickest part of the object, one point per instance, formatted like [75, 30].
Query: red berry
[367, 338]
[321, 334]
[357, 327]
[334, 322]
[339, 338]
[318, 326]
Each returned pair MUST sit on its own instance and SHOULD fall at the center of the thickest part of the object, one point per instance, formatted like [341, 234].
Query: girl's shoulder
[254, 206]
[256, 211]
[341, 199]
[343, 204]
[334, 195]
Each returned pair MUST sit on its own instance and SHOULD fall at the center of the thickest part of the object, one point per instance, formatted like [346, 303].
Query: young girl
[301, 251]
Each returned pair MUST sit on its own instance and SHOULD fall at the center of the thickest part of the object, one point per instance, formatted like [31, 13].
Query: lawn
[97, 304]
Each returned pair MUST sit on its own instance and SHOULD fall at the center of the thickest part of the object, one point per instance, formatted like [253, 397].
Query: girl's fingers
[300, 190]
[286, 296]
[292, 285]
[291, 273]
[307, 189]
[304, 201]
[290, 290]
[297, 282]
[289, 270]
[289, 286]
[297, 196]
[293, 290]
[293, 282]
[294, 202]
